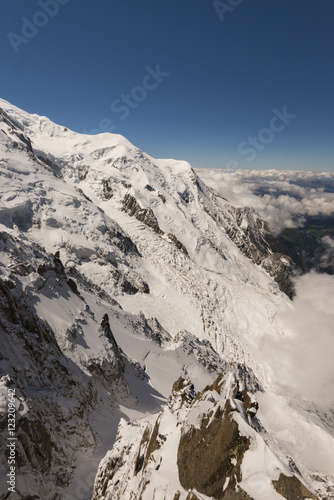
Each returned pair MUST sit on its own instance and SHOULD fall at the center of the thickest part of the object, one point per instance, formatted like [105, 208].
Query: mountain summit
[136, 307]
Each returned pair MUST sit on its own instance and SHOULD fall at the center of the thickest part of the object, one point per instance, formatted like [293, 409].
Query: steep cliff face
[298, 207]
[58, 389]
[204, 445]
[252, 236]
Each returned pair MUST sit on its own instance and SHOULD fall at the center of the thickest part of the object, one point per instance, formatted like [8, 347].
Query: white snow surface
[214, 295]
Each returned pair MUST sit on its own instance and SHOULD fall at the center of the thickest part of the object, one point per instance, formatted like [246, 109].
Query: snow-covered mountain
[135, 297]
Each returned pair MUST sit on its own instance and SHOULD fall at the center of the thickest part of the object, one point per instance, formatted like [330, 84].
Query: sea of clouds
[282, 198]
[302, 363]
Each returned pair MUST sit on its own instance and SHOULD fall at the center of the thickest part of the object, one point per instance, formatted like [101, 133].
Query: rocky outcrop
[209, 456]
[130, 283]
[55, 395]
[16, 130]
[146, 215]
[252, 236]
[153, 330]
[291, 488]
[122, 241]
[212, 432]
[110, 369]
[30, 351]
[283, 270]
[203, 351]
[173, 239]
[107, 191]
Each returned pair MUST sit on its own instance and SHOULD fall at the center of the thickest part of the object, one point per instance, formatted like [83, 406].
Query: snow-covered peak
[130, 272]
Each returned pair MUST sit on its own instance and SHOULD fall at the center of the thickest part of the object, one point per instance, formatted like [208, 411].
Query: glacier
[138, 306]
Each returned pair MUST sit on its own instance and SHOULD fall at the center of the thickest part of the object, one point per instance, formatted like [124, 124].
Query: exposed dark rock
[206, 456]
[30, 346]
[54, 264]
[16, 129]
[83, 194]
[89, 286]
[22, 269]
[139, 464]
[50, 433]
[113, 466]
[183, 394]
[82, 173]
[192, 496]
[282, 269]
[202, 350]
[51, 165]
[292, 489]
[145, 215]
[72, 284]
[105, 325]
[185, 196]
[111, 369]
[141, 455]
[149, 188]
[130, 285]
[153, 330]
[177, 243]
[122, 241]
[35, 448]
[217, 385]
[45, 160]
[107, 192]
[155, 442]
[252, 236]
[127, 185]
[9, 121]
[209, 213]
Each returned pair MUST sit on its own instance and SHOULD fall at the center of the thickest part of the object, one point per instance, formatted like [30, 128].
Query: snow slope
[92, 226]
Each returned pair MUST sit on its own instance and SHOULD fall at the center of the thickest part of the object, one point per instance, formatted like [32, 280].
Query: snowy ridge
[207, 443]
[133, 273]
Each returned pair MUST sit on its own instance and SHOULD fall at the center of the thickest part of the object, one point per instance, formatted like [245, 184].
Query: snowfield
[120, 275]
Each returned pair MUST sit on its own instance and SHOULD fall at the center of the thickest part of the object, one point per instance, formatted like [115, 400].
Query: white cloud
[303, 362]
[282, 198]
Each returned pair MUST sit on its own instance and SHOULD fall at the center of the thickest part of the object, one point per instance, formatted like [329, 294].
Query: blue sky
[205, 81]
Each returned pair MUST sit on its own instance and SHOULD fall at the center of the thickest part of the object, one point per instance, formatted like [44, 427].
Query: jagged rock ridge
[213, 436]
